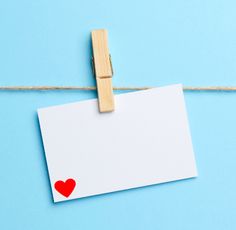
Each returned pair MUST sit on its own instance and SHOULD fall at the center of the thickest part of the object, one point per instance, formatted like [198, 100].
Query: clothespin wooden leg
[105, 94]
[103, 70]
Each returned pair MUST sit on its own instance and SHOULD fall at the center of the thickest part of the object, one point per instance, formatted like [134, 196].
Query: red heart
[65, 188]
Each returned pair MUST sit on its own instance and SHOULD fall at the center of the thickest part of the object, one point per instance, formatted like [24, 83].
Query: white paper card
[145, 141]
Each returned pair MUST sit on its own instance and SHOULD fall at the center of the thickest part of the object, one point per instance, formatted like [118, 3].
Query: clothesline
[61, 88]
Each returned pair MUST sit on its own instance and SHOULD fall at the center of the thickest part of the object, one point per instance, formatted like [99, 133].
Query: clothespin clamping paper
[103, 70]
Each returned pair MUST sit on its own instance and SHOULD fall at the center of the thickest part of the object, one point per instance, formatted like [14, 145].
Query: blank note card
[145, 141]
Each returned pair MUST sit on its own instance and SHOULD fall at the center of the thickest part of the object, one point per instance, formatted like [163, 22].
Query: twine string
[89, 88]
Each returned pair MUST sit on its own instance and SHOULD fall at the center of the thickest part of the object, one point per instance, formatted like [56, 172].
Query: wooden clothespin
[103, 70]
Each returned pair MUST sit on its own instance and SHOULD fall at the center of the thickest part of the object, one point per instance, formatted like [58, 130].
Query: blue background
[152, 43]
